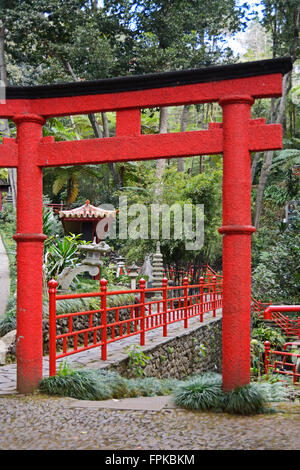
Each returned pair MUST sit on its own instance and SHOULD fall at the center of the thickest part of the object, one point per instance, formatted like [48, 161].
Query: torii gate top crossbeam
[159, 89]
[127, 95]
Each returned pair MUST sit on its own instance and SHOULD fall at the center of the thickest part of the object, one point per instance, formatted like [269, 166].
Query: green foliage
[9, 322]
[3, 174]
[64, 369]
[77, 384]
[259, 335]
[137, 359]
[61, 254]
[280, 19]
[179, 189]
[276, 272]
[273, 391]
[92, 384]
[263, 333]
[175, 35]
[200, 393]
[204, 393]
[51, 226]
[247, 400]
[277, 194]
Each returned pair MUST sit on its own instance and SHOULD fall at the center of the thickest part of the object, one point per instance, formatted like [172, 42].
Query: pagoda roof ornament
[86, 211]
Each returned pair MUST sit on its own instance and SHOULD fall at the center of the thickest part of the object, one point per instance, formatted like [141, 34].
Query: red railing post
[201, 298]
[52, 284]
[185, 293]
[103, 284]
[214, 280]
[298, 327]
[165, 305]
[267, 313]
[142, 284]
[267, 357]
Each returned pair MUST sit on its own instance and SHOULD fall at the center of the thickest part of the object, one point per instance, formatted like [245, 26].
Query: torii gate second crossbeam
[234, 87]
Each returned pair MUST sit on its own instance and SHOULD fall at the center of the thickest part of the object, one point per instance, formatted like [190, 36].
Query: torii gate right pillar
[236, 232]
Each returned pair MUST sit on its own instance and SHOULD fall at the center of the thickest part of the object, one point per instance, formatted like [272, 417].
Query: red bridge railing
[193, 273]
[291, 326]
[288, 362]
[108, 324]
[259, 307]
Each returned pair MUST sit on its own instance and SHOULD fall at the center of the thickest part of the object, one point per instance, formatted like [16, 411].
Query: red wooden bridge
[181, 303]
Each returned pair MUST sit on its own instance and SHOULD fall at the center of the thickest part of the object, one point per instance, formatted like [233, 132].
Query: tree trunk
[254, 165]
[268, 156]
[161, 163]
[200, 164]
[97, 130]
[280, 110]
[183, 126]
[4, 127]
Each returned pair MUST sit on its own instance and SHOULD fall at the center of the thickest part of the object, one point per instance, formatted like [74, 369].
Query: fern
[286, 158]
[58, 184]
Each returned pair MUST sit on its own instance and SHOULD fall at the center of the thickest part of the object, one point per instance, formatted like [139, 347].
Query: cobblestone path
[37, 422]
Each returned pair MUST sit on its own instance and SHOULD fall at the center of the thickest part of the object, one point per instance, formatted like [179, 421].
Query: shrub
[205, 393]
[245, 400]
[92, 384]
[82, 385]
[200, 393]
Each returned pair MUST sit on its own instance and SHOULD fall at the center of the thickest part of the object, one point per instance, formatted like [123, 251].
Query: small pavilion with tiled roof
[84, 219]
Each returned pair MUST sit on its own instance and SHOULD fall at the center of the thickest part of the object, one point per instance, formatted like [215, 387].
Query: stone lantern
[133, 274]
[121, 268]
[94, 251]
[90, 264]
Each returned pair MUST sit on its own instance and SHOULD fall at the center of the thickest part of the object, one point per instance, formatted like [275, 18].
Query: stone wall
[196, 350]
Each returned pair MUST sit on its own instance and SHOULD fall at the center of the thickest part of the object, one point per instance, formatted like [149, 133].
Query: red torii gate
[235, 87]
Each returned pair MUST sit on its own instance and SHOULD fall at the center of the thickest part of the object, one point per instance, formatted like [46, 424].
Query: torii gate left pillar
[29, 238]
[234, 86]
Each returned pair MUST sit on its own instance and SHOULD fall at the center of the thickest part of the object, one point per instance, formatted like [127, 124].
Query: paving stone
[36, 422]
[142, 403]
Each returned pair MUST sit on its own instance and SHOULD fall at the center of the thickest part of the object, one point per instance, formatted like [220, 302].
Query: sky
[234, 42]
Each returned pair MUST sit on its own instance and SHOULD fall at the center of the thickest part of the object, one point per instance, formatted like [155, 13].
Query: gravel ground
[38, 422]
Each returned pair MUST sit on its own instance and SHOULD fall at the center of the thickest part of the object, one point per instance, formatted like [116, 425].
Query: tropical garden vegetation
[68, 40]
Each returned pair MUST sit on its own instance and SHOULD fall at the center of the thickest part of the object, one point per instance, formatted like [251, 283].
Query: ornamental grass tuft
[77, 384]
[205, 393]
[200, 393]
[247, 400]
[92, 384]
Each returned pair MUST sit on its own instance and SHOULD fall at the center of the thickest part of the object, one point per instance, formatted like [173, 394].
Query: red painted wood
[29, 239]
[262, 86]
[236, 232]
[146, 147]
[8, 153]
[144, 319]
[128, 122]
[235, 139]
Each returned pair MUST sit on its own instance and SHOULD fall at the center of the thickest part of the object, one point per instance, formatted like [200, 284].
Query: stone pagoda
[157, 271]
